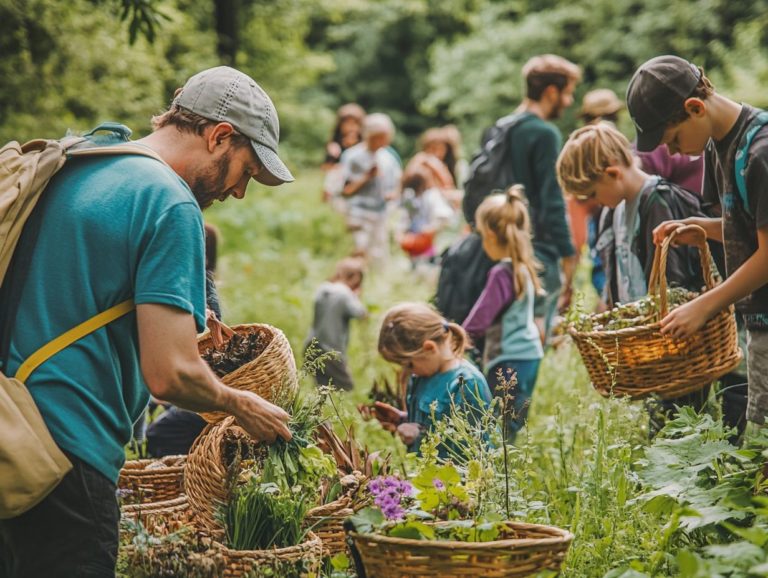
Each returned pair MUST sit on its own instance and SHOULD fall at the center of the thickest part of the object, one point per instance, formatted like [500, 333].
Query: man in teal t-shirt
[122, 227]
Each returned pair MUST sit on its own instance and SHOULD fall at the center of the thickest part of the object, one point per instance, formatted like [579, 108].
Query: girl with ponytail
[431, 351]
[504, 311]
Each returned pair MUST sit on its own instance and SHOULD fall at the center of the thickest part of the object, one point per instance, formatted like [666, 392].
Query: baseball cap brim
[648, 140]
[275, 173]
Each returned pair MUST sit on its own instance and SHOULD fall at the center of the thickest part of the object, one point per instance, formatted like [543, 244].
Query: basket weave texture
[526, 550]
[272, 374]
[150, 484]
[243, 562]
[208, 478]
[639, 361]
[327, 521]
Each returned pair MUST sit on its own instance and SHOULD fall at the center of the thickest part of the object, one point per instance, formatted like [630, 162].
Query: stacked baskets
[640, 361]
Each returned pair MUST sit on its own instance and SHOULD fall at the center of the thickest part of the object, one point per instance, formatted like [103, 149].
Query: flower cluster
[388, 494]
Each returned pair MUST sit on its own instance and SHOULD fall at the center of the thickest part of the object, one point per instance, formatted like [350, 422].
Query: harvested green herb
[261, 516]
[641, 312]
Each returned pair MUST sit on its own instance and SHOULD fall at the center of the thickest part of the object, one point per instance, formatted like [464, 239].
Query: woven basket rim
[565, 537]
[206, 335]
[131, 467]
[311, 540]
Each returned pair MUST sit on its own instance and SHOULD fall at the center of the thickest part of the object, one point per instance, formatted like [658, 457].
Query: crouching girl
[431, 351]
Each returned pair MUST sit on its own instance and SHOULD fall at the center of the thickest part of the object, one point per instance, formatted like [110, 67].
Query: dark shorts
[72, 532]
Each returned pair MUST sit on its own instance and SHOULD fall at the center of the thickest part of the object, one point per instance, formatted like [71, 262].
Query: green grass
[575, 463]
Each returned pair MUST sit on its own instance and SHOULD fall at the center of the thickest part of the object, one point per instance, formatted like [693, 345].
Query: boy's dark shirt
[533, 154]
[739, 229]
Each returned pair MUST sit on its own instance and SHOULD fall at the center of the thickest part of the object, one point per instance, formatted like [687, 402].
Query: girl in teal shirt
[431, 350]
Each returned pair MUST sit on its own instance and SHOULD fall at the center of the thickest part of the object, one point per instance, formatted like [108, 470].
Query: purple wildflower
[438, 483]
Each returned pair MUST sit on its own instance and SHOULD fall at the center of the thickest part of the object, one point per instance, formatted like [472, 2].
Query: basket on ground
[639, 361]
[524, 549]
[327, 522]
[210, 467]
[153, 480]
[272, 374]
[307, 556]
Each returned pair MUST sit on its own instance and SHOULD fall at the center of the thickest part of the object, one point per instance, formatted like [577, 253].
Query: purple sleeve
[498, 293]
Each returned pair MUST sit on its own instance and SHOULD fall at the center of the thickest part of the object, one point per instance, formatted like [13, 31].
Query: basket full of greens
[626, 353]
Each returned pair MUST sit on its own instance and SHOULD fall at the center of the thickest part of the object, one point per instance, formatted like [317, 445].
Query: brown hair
[703, 90]
[408, 325]
[587, 153]
[547, 70]
[189, 122]
[349, 268]
[506, 216]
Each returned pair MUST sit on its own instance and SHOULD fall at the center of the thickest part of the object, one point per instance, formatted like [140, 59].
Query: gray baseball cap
[223, 94]
[656, 92]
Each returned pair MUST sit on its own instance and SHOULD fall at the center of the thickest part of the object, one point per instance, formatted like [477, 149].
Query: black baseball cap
[656, 92]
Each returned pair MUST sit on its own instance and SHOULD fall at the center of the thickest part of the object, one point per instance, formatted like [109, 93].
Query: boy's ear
[695, 106]
[612, 171]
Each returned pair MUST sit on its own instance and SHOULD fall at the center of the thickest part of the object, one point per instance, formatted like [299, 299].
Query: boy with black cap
[671, 102]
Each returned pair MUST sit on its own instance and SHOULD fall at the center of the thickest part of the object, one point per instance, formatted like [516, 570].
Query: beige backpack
[31, 464]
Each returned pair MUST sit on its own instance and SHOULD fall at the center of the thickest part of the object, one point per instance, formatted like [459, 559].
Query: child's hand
[388, 413]
[686, 320]
[409, 432]
[220, 333]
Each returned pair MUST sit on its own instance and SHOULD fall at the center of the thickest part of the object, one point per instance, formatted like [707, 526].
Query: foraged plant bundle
[386, 392]
[349, 455]
[167, 550]
[641, 312]
[237, 351]
[262, 516]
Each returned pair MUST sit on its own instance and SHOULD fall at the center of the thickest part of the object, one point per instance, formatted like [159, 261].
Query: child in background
[419, 339]
[336, 303]
[503, 314]
[426, 214]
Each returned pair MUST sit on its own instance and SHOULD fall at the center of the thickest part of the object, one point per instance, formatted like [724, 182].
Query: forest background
[70, 65]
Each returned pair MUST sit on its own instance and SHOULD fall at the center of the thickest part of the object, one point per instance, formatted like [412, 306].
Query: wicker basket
[639, 361]
[327, 521]
[150, 484]
[247, 562]
[208, 477]
[272, 374]
[525, 550]
[174, 509]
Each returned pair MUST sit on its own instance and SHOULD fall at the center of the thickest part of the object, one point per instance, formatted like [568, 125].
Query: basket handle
[657, 285]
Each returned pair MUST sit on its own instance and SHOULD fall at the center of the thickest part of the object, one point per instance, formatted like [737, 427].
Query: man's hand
[264, 421]
[687, 319]
[409, 432]
[220, 333]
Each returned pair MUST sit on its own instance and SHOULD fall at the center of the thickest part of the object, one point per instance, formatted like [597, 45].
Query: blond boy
[672, 102]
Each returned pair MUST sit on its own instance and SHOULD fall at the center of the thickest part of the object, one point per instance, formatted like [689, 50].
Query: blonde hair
[349, 268]
[506, 216]
[587, 153]
[408, 325]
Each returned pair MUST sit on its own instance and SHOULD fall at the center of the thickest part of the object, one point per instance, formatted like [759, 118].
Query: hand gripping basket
[524, 550]
[153, 480]
[639, 361]
[272, 374]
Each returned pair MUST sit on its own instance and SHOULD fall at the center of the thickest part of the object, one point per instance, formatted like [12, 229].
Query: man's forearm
[196, 388]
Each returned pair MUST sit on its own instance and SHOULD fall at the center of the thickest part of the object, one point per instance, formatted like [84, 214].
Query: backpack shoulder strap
[68, 338]
[130, 148]
[742, 156]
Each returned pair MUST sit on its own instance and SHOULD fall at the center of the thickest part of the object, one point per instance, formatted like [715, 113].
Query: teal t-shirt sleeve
[171, 262]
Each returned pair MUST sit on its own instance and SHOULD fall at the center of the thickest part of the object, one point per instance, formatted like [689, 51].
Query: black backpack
[463, 273]
[490, 168]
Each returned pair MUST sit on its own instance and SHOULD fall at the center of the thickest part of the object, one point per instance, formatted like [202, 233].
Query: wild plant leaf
[739, 554]
[412, 530]
[756, 535]
[366, 520]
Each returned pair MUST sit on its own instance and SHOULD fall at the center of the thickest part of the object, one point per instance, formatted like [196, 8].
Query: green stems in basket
[260, 517]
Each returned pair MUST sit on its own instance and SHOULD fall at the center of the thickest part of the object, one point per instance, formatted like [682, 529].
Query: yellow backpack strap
[65, 340]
